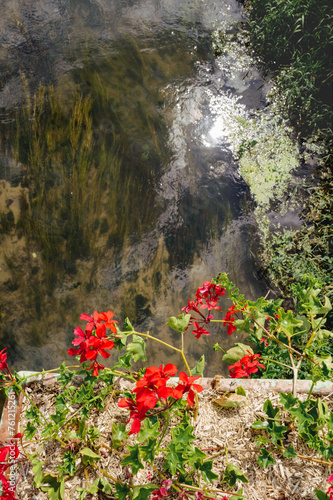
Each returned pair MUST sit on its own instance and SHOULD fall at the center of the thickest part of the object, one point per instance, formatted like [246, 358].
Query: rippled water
[118, 185]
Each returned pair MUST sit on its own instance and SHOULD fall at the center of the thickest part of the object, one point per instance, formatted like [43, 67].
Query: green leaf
[143, 492]
[232, 474]
[287, 322]
[193, 455]
[37, 470]
[260, 424]
[56, 490]
[183, 435]
[33, 414]
[148, 450]
[105, 486]
[199, 367]
[128, 326]
[326, 307]
[137, 348]
[88, 456]
[271, 412]
[265, 459]
[240, 391]
[287, 400]
[290, 452]
[207, 473]
[236, 353]
[238, 495]
[60, 403]
[94, 487]
[121, 491]
[133, 459]
[148, 430]
[180, 324]
[82, 430]
[320, 495]
[277, 432]
[124, 361]
[119, 435]
[174, 459]
[68, 465]
[30, 430]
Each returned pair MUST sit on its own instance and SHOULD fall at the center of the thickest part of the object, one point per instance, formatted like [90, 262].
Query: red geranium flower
[3, 360]
[330, 489]
[96, 367]
[210, 293]
[247, 365]
[97, 319]
[199, 330]
[229, 320]
[138, 413]
[97, 346]
[163, 490]
[187, 386]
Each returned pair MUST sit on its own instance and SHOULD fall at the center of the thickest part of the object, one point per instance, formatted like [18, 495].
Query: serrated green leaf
[287, 400]
[265, 459]
[143, 492]
[183, 435]
[124, 361]
[133, 459]
[137, 348]
[148, 450]
[179, 324]
[148, 429]
[290, 452]
[326, 307]
[277, 432]
[174, 459]
[30, 430]
[287, 322]
[122, 490]
[194, 454]
[271, 411]
[232, 474]
[206, 471]
[128, 326]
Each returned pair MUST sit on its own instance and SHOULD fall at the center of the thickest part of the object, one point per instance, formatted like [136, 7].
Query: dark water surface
[116, 192]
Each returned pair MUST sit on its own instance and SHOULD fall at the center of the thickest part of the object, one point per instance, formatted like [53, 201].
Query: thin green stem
[277, 362]
[32, 403]
[157, 340]
[184, 357]
[165, 428]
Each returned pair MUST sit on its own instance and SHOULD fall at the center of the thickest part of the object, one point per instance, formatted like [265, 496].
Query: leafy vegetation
[294, 40]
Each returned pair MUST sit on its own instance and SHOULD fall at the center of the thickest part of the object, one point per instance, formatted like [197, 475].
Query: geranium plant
[163, 402]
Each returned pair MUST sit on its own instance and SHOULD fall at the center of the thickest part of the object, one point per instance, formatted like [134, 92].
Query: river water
[119, 190]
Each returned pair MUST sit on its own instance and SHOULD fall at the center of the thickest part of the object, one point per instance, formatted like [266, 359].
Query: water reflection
[109, 197]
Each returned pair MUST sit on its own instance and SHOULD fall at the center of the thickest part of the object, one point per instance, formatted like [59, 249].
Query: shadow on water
[108, 199]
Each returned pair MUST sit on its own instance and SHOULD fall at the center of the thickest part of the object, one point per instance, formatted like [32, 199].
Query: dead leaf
[232, 401]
